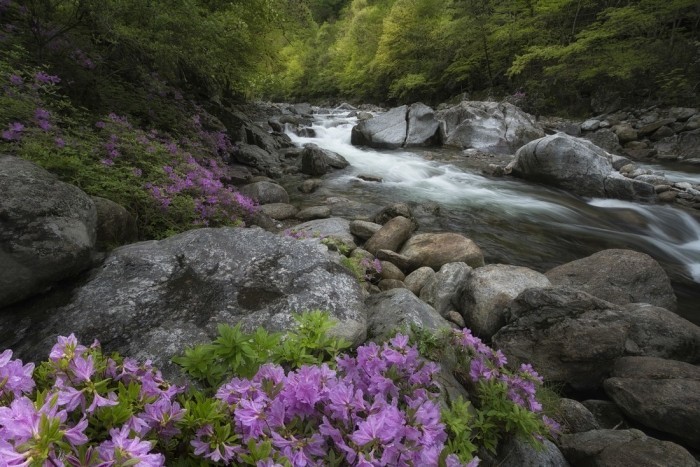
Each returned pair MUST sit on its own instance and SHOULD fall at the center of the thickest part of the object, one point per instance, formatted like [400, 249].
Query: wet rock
[423, 127]
[394, 210]
[370, 178]
[47, 233]
[316, 161]
[384, 131]
[391, 235]
[309, 186]
[618, 276]
[445, 288]
[418, 278]
[258, 158]
[398, 309]
[436, 249]
[265, 193]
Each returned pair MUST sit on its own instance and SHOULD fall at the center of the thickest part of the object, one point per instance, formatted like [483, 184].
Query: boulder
[489, 290]
[418, 278]
[390, 284]
[314, 212]
[258, 158]
[615, 448]
[115, 225]
[423, 127]
[618, 276]
[685, 145]
[266, 193]
[364, 229]
[625, 133]
[517, 452]
[309, 186]
[384, 131]
[606, 413]
[488, 126]
[400, 261]
[575, 417]
[316, 161]
[436, 249]
[547, 327]
[391, 235]
[445, 288]
[47, 230]
[151, 300]
[390, 271]
[391, 211]
[661, 394]
[606, 139]
[398, 309]
[335, 228]
[591, 124]
[279, 211]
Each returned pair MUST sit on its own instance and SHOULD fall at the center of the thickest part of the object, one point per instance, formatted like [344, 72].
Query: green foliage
[235, 352]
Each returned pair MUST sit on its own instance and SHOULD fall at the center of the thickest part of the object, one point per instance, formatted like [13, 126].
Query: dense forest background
[549, 55]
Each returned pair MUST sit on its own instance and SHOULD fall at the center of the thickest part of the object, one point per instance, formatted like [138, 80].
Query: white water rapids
[512, 220]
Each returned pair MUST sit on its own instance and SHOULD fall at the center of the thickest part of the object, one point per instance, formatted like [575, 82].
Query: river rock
[488, 126]
[575, 417]
[445, 288]
[390, 271]
[661, 394]
[517, 452]
[384, 131]
[436, 249]
[423, 127]
[615, 448]
[685, 145]
[618, 276]
[151, 300]
[390, 284]
[258, 158]
[316, 161]
[335, 228]
[115, 225]
[314, 212]
[652, 127]
[47, 232]
[391, 235]
[590, 125]
[309, 186]
[489, 290]
[265, 193]
[279, 211]
[547, 327]
[606, 139]
[398, 309]
[625, 133]
[364, 229]
[418, 278]
[391, 211]
[397, 259]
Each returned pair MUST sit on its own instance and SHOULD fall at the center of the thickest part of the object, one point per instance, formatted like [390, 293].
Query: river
[513, 221]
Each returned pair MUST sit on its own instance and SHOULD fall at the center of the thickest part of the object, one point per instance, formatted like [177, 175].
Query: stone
[265, 193]
[418, 278]
[445, 288]
[489, 290]
[488, 126]
[625, 133]
[309, 186]
[391, 211]
[456, 318]
[364, 229]
[590, 125]
[152, 300]
[517, 452]
[423, 127]
[619, 187]
[335, 228]
[279, 211]
[47, 232]
[618, 276]
[615, 448]
[384, 131]
[391, 235]
[661, 133]
[575, 417]
[605, 139]
[606, 413]
[681, 114]
[396, 310]
[389, 284]
[668, 196]
[370, 178]
[115, 225]
[398, 260]
[660, 394]
[652, 127]
[547, 326]
[436, 249]
[618, 162]
[316, 161]
[258, 158]
[390, 271]
[314, 212]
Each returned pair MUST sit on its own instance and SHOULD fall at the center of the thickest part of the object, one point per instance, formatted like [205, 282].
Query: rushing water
[514, 222]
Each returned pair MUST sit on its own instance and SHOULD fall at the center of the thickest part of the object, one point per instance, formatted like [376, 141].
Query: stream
[513, 221]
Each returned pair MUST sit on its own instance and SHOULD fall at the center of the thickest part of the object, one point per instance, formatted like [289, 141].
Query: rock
[309, 186]
[618, 162]
[279, 211]
[398, 309]
[151, 300]
[423, 127]
[436, 249]
[445, 288]
[398, 260]
[394, 210]
[606, 414]
[590, 125]
[548, 325]
[618, 276]
[681, 114]
[618, 187]
[662, 133]
[115, 225]
[517, 452]
[489, 290]
[391, 235]
[370, 178]
[575, 417]
[606, 139]
[314, 212]
[302, 108]
[384, 131]
[265, 193]
[390, 271]
[668, 196]
[488, 126]
[652, 127]
[661, 394]
[693, 123]
[316, 161]
[418, 278]
[625, 133]
[364, 229]
[389, 284]
[333, 228]
[454, 317]
[345, 106]
[258, 158]
[245, 133]
[47, 232]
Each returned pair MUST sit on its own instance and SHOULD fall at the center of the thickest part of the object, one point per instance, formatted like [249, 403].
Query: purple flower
[15, 378]
[42, 114]
[82, 368]
[45, 78]
[100, 124]
[206, 446]
[66, 347]
[162, 415]
[13, 131]
[478, 369]
[59, 142]
[16, 80]
[121, 448]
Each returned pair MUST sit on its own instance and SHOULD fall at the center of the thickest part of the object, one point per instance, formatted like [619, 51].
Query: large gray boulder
[661, 394]
[489, 290]
[266, 192]
[115, 225]
[151, 300]
[384, 131]
[391, 235]
[423, 127]
[47, 230]
[618, 276]
[316, 161]
[399, 309]
[518, 452]
[439, 248]
[488, 126]
[261, 159]
[574, 338]
[616, 448]
[444, 289]
[334, 229]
